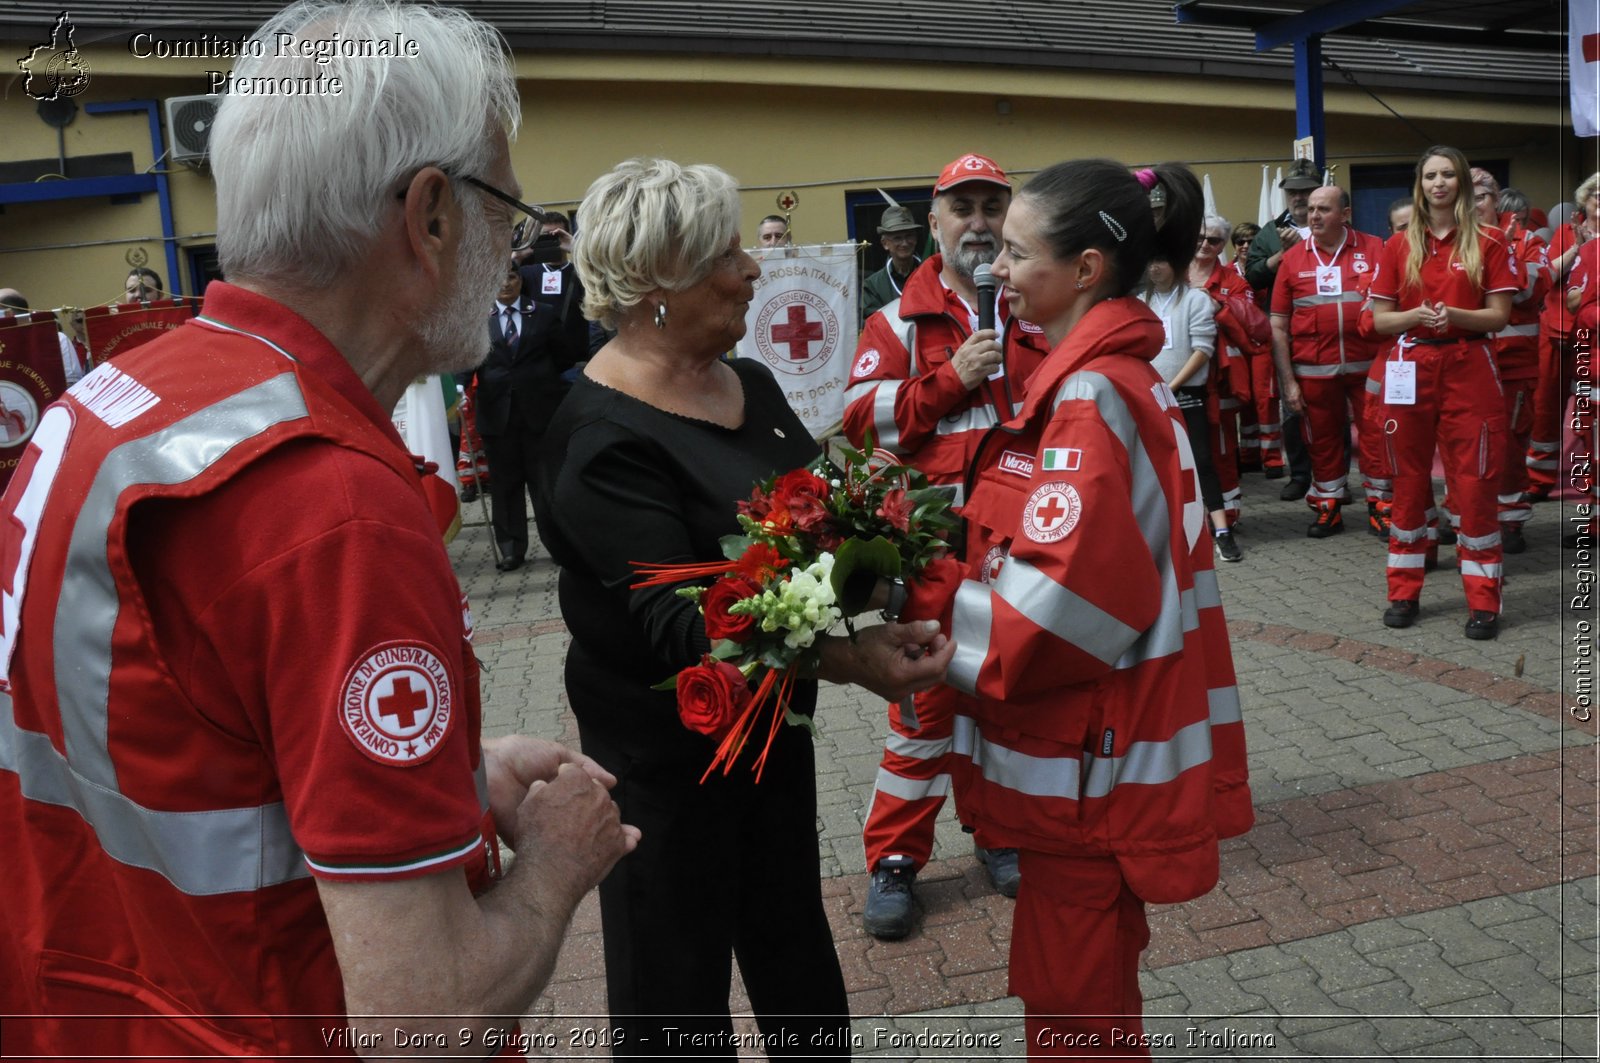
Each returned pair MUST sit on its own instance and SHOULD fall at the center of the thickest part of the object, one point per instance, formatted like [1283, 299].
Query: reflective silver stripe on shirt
[1035, 776]
[916, 748]
[87, 611]
[970, 622]
[1223, 704]
[975, 419]
[906, 789]
[1517, 330]
[1072, 619]
[1329, 300]
[1150, 763]
[200, 853]
[883, 421]
[1318, 372]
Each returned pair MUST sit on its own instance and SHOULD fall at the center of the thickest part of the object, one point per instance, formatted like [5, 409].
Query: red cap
[971, 168]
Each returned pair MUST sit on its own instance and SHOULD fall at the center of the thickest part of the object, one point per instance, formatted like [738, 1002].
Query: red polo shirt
[1444, 278]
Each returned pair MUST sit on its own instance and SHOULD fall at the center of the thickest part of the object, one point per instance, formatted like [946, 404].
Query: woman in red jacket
[1443, 286]
[1101, 736]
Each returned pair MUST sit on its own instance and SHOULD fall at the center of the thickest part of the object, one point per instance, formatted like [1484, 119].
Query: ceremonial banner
[421, 420]
[802, 324]
[115, 329]
[1583, 60]
[31, 378]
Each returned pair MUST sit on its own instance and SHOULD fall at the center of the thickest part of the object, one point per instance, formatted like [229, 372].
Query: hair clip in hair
[1116, 228]
[1147, 177]
[1158, 197]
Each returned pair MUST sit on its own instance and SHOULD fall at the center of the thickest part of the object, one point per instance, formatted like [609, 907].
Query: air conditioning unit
[189, 121]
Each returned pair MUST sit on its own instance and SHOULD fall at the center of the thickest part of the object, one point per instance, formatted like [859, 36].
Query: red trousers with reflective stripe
[1461, 412]
[1264, 385]
[1334, 404]
[1550, 398]
[1514, 477]
[1075, 944]
[910, 790]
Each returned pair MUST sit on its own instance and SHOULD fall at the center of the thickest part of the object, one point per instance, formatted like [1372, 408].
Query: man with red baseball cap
[926, 385]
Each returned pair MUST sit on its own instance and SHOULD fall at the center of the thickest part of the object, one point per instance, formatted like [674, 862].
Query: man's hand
[977, 358]
[514, 763]
[1292, 396]
[573, 830]
[1288, 235]
[893, 661]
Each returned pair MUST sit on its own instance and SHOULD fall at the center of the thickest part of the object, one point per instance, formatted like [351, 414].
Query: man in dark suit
[519, 387]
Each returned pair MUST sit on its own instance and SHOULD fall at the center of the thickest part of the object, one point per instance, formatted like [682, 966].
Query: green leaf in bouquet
[734, 546]
[669, 683]
[727, 650]
[873, 557]
[794, 719]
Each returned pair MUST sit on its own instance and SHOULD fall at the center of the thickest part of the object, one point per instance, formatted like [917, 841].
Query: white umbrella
[1264, 208]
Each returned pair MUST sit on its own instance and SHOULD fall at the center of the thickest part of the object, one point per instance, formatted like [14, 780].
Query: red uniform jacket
[905, 391]
[159, 850]
[1104, 716]
[1325, 337]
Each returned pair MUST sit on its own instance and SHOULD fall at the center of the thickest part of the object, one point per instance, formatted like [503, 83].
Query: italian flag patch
[1062, 459]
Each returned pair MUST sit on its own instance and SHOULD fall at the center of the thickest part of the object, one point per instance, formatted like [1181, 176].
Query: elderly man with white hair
[241, 779]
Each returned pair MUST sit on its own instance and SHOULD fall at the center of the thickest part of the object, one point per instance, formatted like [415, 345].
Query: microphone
[983, 277]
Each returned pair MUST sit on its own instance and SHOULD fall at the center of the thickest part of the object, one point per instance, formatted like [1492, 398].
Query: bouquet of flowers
[814, 543]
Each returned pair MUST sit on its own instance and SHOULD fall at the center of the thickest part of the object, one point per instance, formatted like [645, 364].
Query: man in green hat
[897, 232]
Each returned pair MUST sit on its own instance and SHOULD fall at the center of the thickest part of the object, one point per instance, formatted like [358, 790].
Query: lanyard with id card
[550, 283]
[1329, 281]
[1400, 381]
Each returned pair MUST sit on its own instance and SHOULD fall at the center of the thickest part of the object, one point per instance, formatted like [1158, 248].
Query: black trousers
[513, 457]
[726, 869]
[1191, 403]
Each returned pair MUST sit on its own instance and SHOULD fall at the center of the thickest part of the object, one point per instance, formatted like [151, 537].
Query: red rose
[721, 624]
[896, 509]
[802, 492]
[711, 696]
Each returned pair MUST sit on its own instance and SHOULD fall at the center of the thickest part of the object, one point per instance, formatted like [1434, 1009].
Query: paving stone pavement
[1421, 881]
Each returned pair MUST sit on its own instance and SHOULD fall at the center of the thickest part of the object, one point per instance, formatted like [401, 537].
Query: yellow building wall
[817, 128]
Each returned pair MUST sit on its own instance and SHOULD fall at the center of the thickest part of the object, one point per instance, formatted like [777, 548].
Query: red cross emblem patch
[396, 705]
[1053, 511]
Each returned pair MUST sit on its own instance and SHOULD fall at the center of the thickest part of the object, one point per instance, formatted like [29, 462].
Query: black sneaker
[888, 914]
[1329, 521]
[1002, 865]
[1274, 472]
[1447, 534]
[1401, 613]
[1294, 490]
[1511, 540]
[1482, 624]
[469, 493]
[1227, 549]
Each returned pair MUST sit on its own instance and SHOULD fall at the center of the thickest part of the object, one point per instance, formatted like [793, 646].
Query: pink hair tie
[1146, 177]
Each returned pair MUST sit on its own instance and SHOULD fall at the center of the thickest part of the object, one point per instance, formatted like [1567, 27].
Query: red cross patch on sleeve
[396, 704]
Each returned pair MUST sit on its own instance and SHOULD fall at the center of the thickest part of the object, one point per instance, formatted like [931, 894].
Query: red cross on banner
[798, 333]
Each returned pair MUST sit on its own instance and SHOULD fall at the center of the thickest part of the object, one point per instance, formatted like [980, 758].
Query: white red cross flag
[115, 329]
[802, 324]
[31, 378]
[1583, 60]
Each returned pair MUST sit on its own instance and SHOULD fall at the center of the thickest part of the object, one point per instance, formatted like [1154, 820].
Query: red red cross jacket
[1324, 314]
[1104, 716]
[161, 841]
[905, 391]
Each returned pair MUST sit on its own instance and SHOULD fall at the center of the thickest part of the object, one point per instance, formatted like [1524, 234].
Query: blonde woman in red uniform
[1442, 287]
